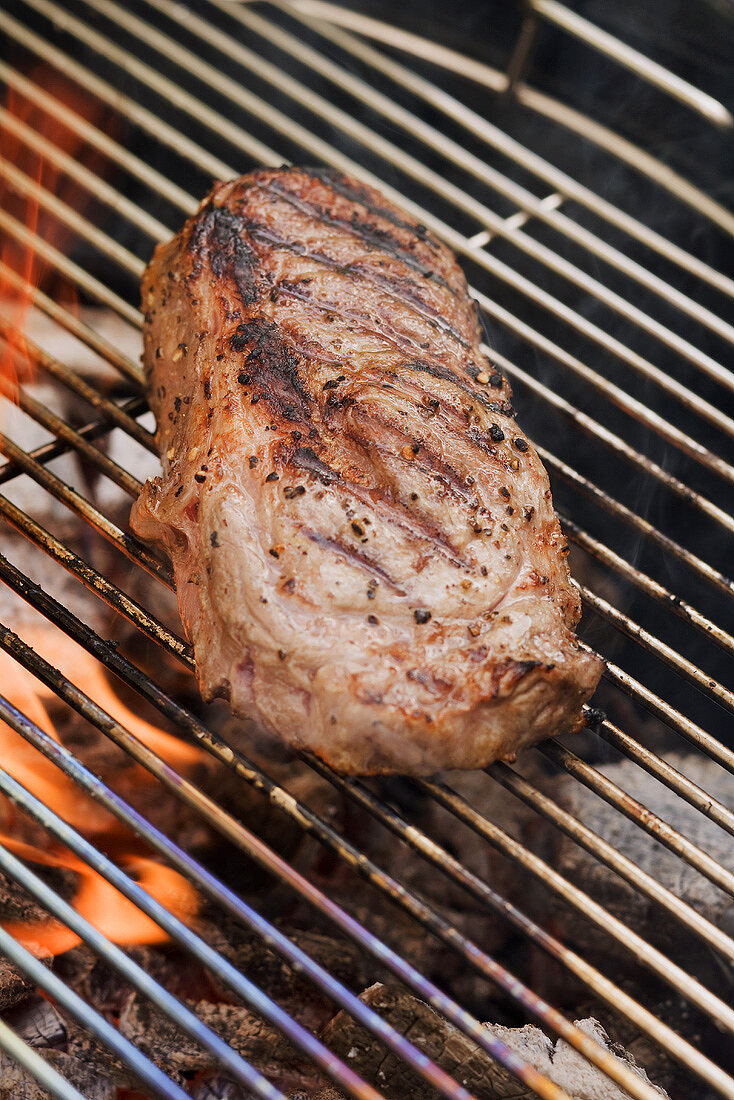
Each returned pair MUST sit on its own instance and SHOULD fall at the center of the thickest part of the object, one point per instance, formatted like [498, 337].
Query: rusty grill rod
[308, 821]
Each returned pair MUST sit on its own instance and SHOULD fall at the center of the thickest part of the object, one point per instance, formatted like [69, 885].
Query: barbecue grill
[612, 329]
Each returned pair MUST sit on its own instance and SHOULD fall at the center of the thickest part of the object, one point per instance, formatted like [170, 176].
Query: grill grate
[444, 185]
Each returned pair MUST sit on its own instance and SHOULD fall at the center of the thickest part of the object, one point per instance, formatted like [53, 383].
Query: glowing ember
[95, 899]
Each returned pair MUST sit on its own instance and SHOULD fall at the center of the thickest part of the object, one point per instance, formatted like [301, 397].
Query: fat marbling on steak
[366, 554]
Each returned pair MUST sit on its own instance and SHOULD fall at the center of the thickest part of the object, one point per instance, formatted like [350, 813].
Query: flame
[95, 899]
[15, 364]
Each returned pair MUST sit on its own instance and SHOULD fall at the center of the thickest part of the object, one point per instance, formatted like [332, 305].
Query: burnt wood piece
[366, 554]
[298, 995]
[16, 1084]
[462, 1058]
[177, 1054]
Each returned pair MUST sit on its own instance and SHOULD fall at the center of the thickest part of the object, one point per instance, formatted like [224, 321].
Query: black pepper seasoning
[520, 444]
[272, 476]
[373, 620]
[244, 379]
[421, 615]
[214, 539]
[496, 434]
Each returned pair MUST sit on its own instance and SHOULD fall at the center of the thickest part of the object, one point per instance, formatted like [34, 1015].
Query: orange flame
[23, 258]
[95, 899]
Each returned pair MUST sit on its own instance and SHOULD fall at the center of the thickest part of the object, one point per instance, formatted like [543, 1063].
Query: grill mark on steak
[351, 553]
[357, 192]
[443, 373]
[378, 239]
[217, 236]
[404, 290]
[269, 353]
[393, 510]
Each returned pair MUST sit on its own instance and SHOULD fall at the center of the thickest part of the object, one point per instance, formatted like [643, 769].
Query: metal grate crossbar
[350, 92]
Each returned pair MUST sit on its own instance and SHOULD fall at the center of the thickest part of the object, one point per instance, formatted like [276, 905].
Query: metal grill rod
[23, 347]
[564, 185]
[633, 60]
[133, 973]
[255, 848]
[486, 173]
[99, 140]
[331, 155]
[66, 320]
[58, 427]
[256, 105]
[502, 315]
[635, 630]
[557, 112]
[576, 897]
[24, 185]
[179, 143]
[441, 858]
[92, 430]
[640, 815]
[87, 282]
[49, 153]
[297, 811]
[204, 880]
[207, 956]
[130, 546]
[45, 979]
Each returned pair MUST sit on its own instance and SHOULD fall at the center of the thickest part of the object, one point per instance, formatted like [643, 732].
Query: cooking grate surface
[623, 334]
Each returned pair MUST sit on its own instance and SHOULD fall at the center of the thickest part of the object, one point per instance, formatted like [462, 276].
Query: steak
[365, 550]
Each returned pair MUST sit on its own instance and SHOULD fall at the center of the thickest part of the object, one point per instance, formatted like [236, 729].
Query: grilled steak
[365, 549]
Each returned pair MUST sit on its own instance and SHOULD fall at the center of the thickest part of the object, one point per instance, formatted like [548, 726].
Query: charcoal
[461, 1057]
[39, 1024]
[16, 1084]
[51, 1029]
[176, 1053]
[263, 966]
[217, 1088]
[14, 985]
[621, 899]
